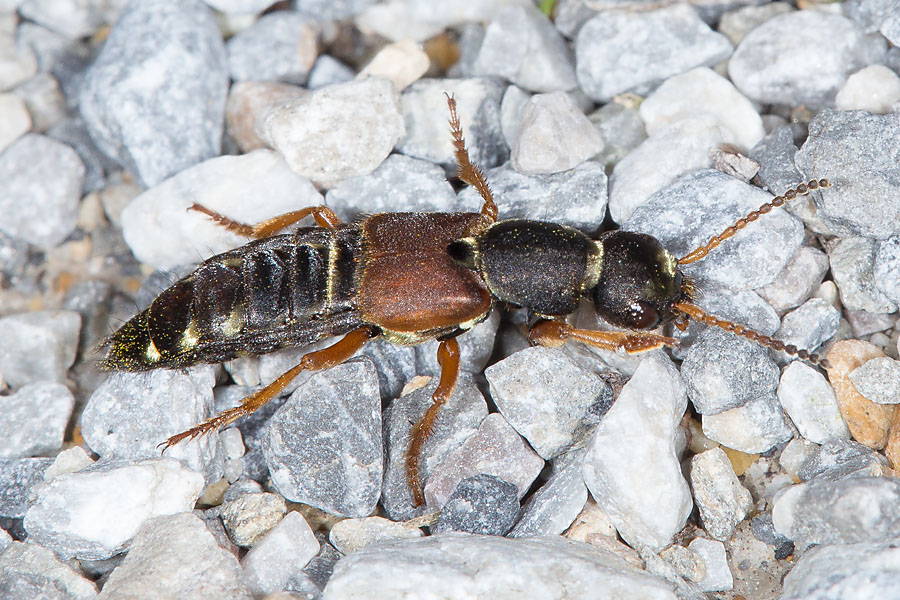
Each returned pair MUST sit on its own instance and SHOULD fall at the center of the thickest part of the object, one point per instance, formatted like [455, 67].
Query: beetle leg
[448, 359]
[557, 333]
[323, 215]
[314, 361]
[468, 172]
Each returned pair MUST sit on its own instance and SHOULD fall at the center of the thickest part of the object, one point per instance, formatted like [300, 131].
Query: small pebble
[249, 102]
[38, 346]
[32, 571]
[550, 566]
[875, 89]
[72, 18]
[718, 572]
[553, 136]
[735, 24]
[773, 62]
[848, 511]
[842, 459]
[797, 282]
[878, 379]
[154, 98]
[338, 131]
[811, 404]
[721, 499]
[280, 555]
[94, 514]
[687, 563]
[249, 517]
[850, 572]
[351, 535]
[173, 557]
[547, 66]
[68, 461]
[809, 325]
[44, 101]
[621, 127]
[753, 428]
[852, 266]
[548, 398]
[17, 62]
[401, 63]
[865, 324]
[483, 504]
[250, 188]
[886, 270]
[14, 119]
[703, 91]
[328, 70]
[621, 51]
[18, 477]
[495, 449]
[34, 420]
[644, 493]
[557, 503]
[324, 446]
[50, 175]
[280, 46]
[869, 422]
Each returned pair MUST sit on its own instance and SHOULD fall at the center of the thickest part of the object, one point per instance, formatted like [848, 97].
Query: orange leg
[448, 359]
[314, 361]
[323, 215]
[468, 172]
[557, 333]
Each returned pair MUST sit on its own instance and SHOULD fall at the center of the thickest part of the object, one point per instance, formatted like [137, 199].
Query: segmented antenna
[696, 313]
[800, 190]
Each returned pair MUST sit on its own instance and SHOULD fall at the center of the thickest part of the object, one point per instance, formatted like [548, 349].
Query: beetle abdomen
[286, 290]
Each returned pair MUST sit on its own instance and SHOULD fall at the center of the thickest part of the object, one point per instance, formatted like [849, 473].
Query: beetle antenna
[696, 313]
[801, 190]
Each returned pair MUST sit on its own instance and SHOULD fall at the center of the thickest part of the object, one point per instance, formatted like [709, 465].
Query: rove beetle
[409, 278]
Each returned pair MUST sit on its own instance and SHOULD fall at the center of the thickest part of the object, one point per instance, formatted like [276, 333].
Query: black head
[640, 281]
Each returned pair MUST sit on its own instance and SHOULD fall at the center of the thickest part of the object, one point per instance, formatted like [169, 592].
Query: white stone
[718, 574]
[68, 461]
[337, 131]
[93, 514]
[878, 379]
[553, 136]
[14, 119]
[811, 404]
[722, 500]
[631, 467]
[400, 63]
[681, 147]
[250, 188]
[703, 91]
[280, 555]
[752, 428]
[875, 89]
[240, 7]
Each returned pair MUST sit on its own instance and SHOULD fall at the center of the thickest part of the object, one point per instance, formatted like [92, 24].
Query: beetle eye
[641, 315]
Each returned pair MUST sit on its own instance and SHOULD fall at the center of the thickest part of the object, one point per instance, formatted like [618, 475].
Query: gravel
[674, 121]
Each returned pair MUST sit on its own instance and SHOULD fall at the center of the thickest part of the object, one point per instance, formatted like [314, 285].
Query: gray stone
[310, 582]
[753, 428]
[176, 557]
[280, 46]
[328, 70]
[576, 198]
[476, 348]
[72, 18]
[809, 325]
[772, 63]
[324, 446]
[34, 420]
[721, 499]
[399, 184]
[464, 566]
[249, 517]
[631, 467]
[42, 182]
[852, 266]
[697, 206]
[352, 535]
[797, 282]
[131, 414]
[154, 98]
[792, 456]
[878, 379]
[556, 504]
[622, 129]
[858, 152]
[73, 132]
[94, 514]
[14, 119]
[38, 346]
[547, 65]
[324, 10]
[458, 419]
[424, 109]
[495, 449]
[553, 136]
[619, 51]
[863, 323]
[280, 555]
[339, 131]
[483, 504]
[847, 571]
[32, 571]
[848, 511]
[548, 398]
[18, 476]
[811, 404]
[394, 364]
[722, 372]
[842, 459]
[887, 268]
